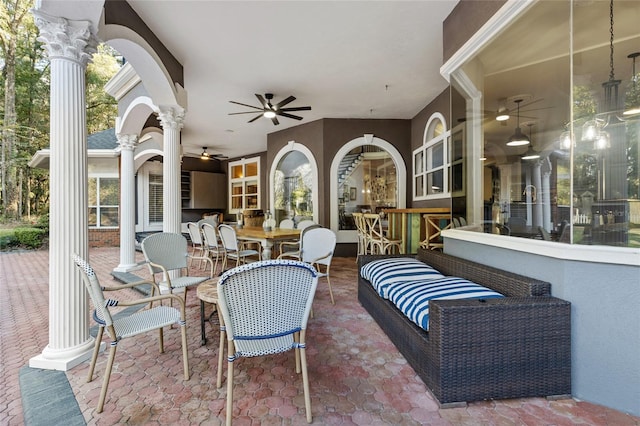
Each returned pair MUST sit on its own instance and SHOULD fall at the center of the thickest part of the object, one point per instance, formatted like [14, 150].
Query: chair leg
[333, 302]
[185, 356]
[96, 350]
[231, 350]
[223, 335]
[305, 378]
[296, 338]
[161, 340]
[107, 376]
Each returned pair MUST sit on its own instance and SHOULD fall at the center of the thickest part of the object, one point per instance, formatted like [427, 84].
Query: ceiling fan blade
[304, 108]
[284, 114]
[219, 156]
[254, 118]
[263, 101]
[285, 102]
[275, 121]
[247, 105]
[246, 112]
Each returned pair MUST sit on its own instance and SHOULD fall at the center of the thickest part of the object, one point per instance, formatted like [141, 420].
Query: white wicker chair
[166, 252]
[131, 325]
[265, 306]
[378, 241]
[195, 235]
[212, 248]
[232, 249]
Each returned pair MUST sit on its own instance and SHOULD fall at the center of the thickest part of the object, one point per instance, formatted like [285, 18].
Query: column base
[126, 267]
[64, 360]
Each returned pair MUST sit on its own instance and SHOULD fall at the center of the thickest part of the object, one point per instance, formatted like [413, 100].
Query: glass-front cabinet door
[244, 184]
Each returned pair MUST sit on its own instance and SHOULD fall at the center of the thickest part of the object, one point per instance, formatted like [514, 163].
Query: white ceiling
[346, 59]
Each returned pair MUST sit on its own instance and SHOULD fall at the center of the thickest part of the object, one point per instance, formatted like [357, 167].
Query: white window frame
[430, 141]
[98, 206]
[243, 182]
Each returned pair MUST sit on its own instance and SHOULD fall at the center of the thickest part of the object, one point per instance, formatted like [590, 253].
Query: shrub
[43, 222]
[30, 237]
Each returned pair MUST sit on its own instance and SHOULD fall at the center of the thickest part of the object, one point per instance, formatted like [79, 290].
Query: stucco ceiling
[352, 59]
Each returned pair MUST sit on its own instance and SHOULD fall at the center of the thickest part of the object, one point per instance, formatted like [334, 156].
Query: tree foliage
[25, 88]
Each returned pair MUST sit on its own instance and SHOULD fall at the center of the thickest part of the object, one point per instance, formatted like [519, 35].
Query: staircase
[347, 165]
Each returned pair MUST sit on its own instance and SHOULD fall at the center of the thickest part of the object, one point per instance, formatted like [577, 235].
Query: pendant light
[634, 108]
[518, 138]
[530, 154]
[205, 155]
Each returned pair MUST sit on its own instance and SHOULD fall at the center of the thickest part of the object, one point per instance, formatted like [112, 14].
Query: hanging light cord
[611, 74]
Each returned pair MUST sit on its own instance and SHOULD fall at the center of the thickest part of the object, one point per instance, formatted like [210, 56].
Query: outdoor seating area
[356, 374]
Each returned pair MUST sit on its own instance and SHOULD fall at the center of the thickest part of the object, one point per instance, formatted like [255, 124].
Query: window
[431, 162]
[244, 184]
[103, 202]
[155, 198]
[293, 187]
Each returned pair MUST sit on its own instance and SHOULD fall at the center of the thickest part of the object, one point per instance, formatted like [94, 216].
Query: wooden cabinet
[203, 190]
[244, 184]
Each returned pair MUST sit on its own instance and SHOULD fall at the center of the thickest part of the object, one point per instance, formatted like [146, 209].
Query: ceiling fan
[269, 110]
[206, 155]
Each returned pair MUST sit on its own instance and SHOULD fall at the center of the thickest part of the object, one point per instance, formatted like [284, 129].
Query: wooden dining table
[266, 238]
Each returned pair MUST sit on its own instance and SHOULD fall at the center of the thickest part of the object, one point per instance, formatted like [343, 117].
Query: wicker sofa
[511, 347]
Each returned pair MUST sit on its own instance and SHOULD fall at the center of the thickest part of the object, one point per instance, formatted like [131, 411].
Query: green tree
[101, 107]
[13, 14]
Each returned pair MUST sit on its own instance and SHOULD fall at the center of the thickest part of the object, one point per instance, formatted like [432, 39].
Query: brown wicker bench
[511, 347]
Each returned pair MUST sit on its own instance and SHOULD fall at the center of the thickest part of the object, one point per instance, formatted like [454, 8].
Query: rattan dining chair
[212, 247]
[232, 249]
[167, 254]
[317, 245]
[124, 326]
[265, 306]
[197, 247]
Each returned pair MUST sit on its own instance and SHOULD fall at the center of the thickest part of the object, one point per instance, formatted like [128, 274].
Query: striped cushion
[412, 297]
[385, 272]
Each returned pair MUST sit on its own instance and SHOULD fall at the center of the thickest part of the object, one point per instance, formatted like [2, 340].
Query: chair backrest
[101, 314]
[287, 224]
[194, 232]
[228, 237]
[373, 225]
[456, 222]
[264, 303]
[166, 249]
[209, 235]
[305, 223]
[463, 221]
[316, 243]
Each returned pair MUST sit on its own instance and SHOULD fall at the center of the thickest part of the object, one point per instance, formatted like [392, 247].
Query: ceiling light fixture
[518, 138]
[503, 114]
[633, 97]
[530, 154]
[205, 155]
[269, 114]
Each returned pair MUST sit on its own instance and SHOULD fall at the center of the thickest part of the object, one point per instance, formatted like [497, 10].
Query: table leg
[203, 340]
[266, 250]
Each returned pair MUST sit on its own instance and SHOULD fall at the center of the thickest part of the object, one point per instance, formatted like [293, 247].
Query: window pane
[109, 190]
[419, 162]
[435, 155]
[420, 186]
[236, 172]
[109, 216]
[93, 216]
[93, 191]
[435, 182]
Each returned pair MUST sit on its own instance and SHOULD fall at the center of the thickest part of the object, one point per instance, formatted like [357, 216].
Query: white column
[171, 119]
[546, 201]
[127, 203]
[537, 183]
[70, 45]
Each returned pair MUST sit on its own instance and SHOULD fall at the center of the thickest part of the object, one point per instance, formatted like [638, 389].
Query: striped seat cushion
[412, 297]
[385, 272]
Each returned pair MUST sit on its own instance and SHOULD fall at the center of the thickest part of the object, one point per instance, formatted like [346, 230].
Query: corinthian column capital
[127, 142]
[67, 39]
[171, 118]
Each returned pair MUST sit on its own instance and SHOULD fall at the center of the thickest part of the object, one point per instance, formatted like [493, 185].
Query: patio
[357, 375]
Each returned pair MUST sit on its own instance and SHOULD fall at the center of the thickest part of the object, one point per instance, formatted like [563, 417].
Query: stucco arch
[146, 62]
[294, 146]
[150, 146]
[133, 119]
[348, 236]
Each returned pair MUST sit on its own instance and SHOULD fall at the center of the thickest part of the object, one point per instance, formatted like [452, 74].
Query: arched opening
[294, 184]
[367, 174]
